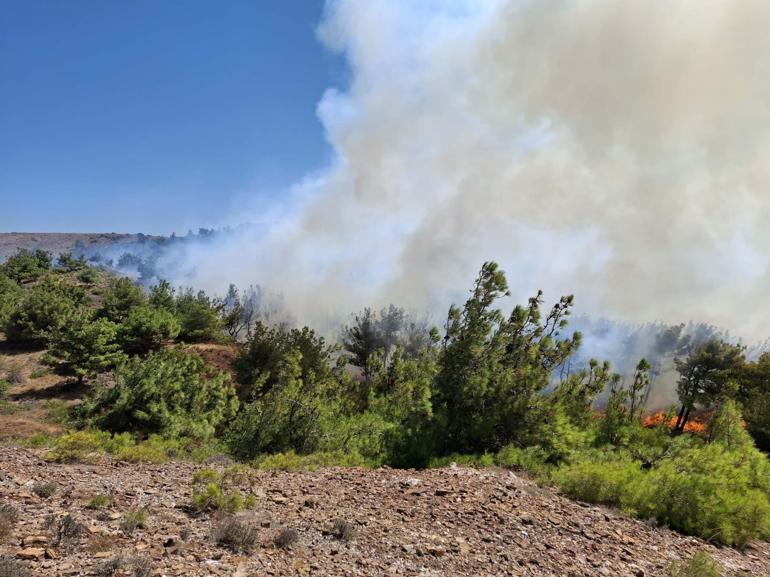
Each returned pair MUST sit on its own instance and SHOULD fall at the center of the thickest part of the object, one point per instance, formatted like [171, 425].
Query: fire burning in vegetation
[695, 425]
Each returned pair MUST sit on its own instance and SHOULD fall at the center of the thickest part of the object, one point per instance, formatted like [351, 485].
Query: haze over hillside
[56, 243]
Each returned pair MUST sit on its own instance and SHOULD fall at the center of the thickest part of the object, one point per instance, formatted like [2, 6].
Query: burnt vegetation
[498, 387]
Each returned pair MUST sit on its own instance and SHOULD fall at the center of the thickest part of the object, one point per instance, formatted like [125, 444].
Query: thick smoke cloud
[615, 150]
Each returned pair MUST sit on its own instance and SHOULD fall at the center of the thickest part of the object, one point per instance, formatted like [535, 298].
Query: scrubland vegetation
[487, 389]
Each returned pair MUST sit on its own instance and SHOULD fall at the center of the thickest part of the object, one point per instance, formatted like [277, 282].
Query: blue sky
[155, 116]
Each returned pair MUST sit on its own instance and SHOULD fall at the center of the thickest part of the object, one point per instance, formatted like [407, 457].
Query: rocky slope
[452, 521]
[58, 242]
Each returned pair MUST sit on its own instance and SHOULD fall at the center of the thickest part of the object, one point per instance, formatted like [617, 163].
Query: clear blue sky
[155, 115]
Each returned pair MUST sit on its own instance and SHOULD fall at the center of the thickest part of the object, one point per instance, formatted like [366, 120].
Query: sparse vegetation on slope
[394, 391]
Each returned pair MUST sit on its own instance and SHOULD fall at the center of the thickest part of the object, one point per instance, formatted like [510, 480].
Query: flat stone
[31, 554]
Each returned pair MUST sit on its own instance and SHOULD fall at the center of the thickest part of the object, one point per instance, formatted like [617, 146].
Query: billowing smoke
[619, 151]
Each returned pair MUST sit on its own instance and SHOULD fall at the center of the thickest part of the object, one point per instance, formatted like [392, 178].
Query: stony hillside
[452, 521]
[57, 242]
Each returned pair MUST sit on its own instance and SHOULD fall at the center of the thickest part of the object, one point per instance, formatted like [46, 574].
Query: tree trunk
[679, 419]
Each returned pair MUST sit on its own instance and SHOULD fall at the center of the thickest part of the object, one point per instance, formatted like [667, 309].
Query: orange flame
[696, 426]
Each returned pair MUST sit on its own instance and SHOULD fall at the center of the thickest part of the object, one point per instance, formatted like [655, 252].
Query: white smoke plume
[619, 151]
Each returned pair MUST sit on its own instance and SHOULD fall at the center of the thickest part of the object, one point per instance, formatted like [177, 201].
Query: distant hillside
[56, 242]
[145, 258]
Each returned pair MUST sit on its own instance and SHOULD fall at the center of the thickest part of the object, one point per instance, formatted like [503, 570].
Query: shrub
[99, 501]
[44, 490]
[699, 565]
[171, 393]
[57, 411]
[290, 461]
[87, 446]
[198, 317]
[39, 373]
[9, 516]
[10, 567]
[134, 519]
[711, 492]
[43, 310]
[211, 491]
[212, 498]
[286, 538]
[705, 490]
[84, 346]
[10, 295]
[147, 452]
[120, 298]
[234, 535]
[15, 375]
[89, 276]
[133, 565]
[484, 460]
[38, 440]
[25, 265]
[79, 446]
[531, 459]
[65, 529]
[343, 530]
[599, 481]
[146, 329]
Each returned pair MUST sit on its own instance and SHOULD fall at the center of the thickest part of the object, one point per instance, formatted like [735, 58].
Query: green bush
[478, 461]
[171, 393]
[535, 460]
[146, 329]
[211, 493]
[84, 346]
[57, 411]
[99, 502]
[25, 265]
[711, 492]
[600, 481]
[10, 295]
[198, 318]
[287, 417]
[699, 565]
[89, 276]
[707, 490]
[291, 461]
[143, 453]
[80, 446]
[120, 298]
[134, 519]
[43, 309]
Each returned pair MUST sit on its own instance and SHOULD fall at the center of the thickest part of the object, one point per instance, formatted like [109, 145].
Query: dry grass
[44, 490]
[13, 568]
[286, 538]
[125, 565]
[9, 516]
[234, 535]
[343, 530]
[134, 519]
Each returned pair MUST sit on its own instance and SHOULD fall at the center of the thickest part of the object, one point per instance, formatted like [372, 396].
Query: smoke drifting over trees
[610, 151]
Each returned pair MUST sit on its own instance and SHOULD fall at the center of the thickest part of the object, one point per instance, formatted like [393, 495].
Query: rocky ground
[452, 521]
[57, 242]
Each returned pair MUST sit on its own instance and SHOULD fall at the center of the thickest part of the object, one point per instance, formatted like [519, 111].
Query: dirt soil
[452, 521]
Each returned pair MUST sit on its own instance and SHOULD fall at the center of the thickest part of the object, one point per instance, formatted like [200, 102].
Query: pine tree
[84, 346]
